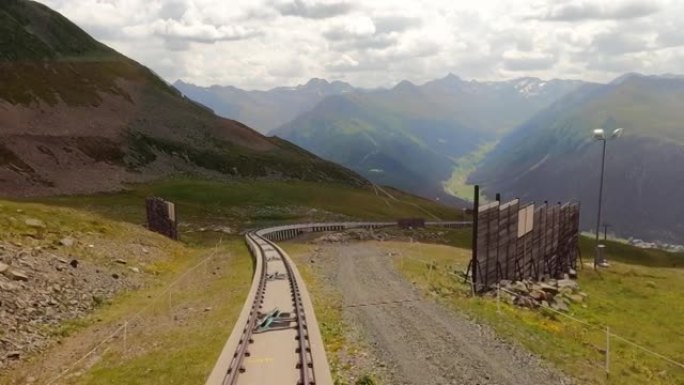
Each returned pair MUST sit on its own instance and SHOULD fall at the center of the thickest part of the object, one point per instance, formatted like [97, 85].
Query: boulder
[537, 295]
[565, 291]
[68, 242]
[559, 305]
[3, 267]
[520, 287]
[525, 301]
[17, 275]
[35, 223]
[548, 288]
[569, 283]
[8, 286]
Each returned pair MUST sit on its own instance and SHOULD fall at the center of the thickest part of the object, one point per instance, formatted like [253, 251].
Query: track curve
[276, 339]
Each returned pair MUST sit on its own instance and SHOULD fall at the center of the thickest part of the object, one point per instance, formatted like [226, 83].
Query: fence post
[168, 301]
[607, 351]
[498, 298]
[473, 260]
[125, 338]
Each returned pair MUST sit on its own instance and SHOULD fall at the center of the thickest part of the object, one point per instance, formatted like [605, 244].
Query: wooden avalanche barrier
[515, 241]
[161, 217]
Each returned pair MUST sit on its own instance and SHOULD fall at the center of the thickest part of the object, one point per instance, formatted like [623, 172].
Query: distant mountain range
[76, 116]
[409, 136]
[414, 137]
[263, 110]
[552, 156]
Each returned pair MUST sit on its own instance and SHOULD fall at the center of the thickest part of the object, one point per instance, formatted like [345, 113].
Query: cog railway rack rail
[276, 339]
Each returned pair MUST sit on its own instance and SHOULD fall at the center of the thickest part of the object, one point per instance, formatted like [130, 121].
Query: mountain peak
[405, 85]
[629, 75]
[451, 77]
[635, 75]
[38, 33]
[316, 82]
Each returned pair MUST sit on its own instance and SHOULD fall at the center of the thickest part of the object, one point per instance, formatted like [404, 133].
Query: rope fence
[122, 330]
[610, 338]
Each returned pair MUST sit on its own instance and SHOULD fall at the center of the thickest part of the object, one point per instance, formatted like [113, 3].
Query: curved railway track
[276, 339]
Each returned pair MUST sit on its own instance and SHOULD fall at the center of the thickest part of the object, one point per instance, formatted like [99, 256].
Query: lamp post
[600, 135]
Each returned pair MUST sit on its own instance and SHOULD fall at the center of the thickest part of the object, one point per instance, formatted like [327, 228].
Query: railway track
[276, 339]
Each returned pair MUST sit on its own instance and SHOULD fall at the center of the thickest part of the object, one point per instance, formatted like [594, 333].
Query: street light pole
[598, 256]
[599, 134]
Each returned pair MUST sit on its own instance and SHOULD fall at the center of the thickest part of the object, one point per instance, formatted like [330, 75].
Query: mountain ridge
[264, 110]
[78, 119]
[411, 136]
[552, 155]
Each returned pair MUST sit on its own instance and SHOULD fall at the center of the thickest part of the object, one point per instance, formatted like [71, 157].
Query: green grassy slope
[349, 130]
[636, 297]
[195, 310]
[250, 203]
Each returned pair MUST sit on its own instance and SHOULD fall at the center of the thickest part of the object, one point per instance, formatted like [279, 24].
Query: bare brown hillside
[76, 116]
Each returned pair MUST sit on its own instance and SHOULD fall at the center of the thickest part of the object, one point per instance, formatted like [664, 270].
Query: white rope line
[673, 362]
[67, 370]
[593, 326]
[136, 315]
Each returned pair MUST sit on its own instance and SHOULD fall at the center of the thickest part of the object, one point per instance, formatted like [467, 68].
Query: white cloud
[598, 10]
[313, 9]
[351, 28]
[268, 43]
[527, 61]
[201, 33]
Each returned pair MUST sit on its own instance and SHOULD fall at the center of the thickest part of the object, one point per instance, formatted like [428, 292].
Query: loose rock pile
[350, 236]
[384, 234]
[556, 294]
[43, 286]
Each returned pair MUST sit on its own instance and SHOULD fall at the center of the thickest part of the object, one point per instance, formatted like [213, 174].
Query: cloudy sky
[259, 44]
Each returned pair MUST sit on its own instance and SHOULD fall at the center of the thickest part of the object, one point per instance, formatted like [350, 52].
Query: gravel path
[421, 342]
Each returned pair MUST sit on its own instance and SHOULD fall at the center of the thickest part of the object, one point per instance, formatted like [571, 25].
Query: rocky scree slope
[58, 265]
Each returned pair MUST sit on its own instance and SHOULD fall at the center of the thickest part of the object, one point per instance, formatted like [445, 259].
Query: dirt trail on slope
[420, 342]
